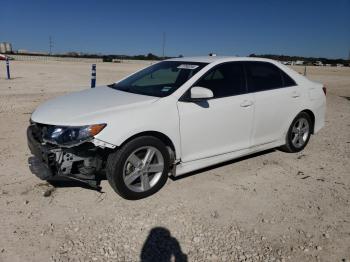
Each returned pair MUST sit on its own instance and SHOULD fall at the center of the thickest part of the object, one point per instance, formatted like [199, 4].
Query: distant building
[318, 63]
[299, 62]
[24, 51]
[5, 48]
[2, 48]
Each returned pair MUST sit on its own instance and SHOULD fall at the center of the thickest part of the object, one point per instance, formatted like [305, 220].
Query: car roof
[222, 59]
[219, 59]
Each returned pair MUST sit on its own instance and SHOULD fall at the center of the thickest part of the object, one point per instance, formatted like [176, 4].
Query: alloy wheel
[143, 169]
[300, 132]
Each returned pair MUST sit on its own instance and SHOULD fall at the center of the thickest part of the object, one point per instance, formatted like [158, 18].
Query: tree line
[303, 58]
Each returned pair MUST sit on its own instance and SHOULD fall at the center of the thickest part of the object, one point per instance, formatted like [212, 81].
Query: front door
[219, 125]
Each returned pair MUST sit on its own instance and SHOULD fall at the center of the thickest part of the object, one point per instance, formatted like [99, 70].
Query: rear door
[276, 98]
[219, 125]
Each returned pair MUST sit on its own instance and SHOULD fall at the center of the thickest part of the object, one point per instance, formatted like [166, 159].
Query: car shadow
[202, 170]
[62, 181]
[68, 182]
[162, 247]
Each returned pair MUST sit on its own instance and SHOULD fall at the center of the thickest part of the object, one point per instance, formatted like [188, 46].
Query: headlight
[70, 135]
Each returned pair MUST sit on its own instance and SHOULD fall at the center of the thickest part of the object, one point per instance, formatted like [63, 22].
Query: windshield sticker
[166, 88]
[187, 66]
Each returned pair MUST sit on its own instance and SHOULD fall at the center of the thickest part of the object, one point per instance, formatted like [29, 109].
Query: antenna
[163, 44]
[50, 45]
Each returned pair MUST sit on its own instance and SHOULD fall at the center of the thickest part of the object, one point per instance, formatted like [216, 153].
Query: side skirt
[186, 167]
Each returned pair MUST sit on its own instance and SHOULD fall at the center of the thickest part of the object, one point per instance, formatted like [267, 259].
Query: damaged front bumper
[81, 163]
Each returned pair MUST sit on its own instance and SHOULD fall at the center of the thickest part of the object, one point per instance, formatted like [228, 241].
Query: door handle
[295, 94]
[247, 103]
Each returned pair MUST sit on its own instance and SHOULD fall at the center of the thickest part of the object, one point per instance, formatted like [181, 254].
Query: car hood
[84, 107]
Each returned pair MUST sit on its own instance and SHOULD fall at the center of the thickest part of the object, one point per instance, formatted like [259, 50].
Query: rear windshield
[160, 79]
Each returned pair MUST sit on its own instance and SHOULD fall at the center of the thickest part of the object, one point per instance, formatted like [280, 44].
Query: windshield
[160, 79]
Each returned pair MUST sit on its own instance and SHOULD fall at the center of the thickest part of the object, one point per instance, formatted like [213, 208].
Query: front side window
[160, 79]
[263, 76]
[224, 80]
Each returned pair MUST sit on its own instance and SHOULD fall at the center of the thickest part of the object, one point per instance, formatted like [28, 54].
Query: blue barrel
[8, 68]
[93, 76]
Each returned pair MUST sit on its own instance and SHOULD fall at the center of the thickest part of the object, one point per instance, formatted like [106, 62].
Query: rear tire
[139, 168]
[298, 134]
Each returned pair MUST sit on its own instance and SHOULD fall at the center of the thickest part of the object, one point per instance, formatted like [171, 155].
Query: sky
[316, 28]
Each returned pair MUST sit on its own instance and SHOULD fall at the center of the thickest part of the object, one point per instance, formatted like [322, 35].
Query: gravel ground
[271, 206]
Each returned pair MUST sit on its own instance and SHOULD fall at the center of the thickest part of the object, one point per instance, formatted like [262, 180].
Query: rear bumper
[320, 116]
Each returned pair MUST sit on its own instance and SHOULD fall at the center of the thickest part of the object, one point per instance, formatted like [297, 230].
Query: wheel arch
[312, 116]
[161, 136]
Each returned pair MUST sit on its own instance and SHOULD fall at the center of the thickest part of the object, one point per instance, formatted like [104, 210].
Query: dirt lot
[268, 207]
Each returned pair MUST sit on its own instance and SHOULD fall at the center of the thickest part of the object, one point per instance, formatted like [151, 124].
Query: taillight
[324, 90]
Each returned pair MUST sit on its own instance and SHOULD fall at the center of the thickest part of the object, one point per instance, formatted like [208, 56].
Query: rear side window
[287, 80]
[263, 76]
[224, 80]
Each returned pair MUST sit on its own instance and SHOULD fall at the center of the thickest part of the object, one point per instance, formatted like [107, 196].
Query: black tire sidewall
[116, 161]
[290, 133]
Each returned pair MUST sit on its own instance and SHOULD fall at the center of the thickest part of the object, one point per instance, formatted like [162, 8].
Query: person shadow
[162, 247]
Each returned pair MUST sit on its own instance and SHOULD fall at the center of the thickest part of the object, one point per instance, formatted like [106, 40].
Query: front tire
[139, 168]
[298, 134]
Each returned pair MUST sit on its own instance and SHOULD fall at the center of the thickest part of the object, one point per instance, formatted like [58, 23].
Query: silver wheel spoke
[155, 168]
[295, 130]
[145, 182]
[134, 160]
[143, 169]
[132, 177]
[300, 140]
[305, 129]
[149, 156]
[295, 139]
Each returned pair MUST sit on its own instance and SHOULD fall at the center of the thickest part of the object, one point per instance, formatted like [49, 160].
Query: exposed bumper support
[78, 163]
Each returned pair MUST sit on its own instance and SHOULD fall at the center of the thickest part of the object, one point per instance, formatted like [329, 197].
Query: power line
[163, 44]
[50, 45]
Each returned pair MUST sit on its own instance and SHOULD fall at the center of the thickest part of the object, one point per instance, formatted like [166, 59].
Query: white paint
[203, 133]
[198, 92]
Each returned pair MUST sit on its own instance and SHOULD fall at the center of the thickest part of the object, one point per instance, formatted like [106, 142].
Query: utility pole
[163, 45]
[50, 45]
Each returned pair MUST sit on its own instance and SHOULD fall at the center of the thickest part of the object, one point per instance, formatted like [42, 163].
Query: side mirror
[198, 92]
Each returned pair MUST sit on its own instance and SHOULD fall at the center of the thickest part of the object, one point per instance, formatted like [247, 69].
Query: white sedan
[172, 118]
